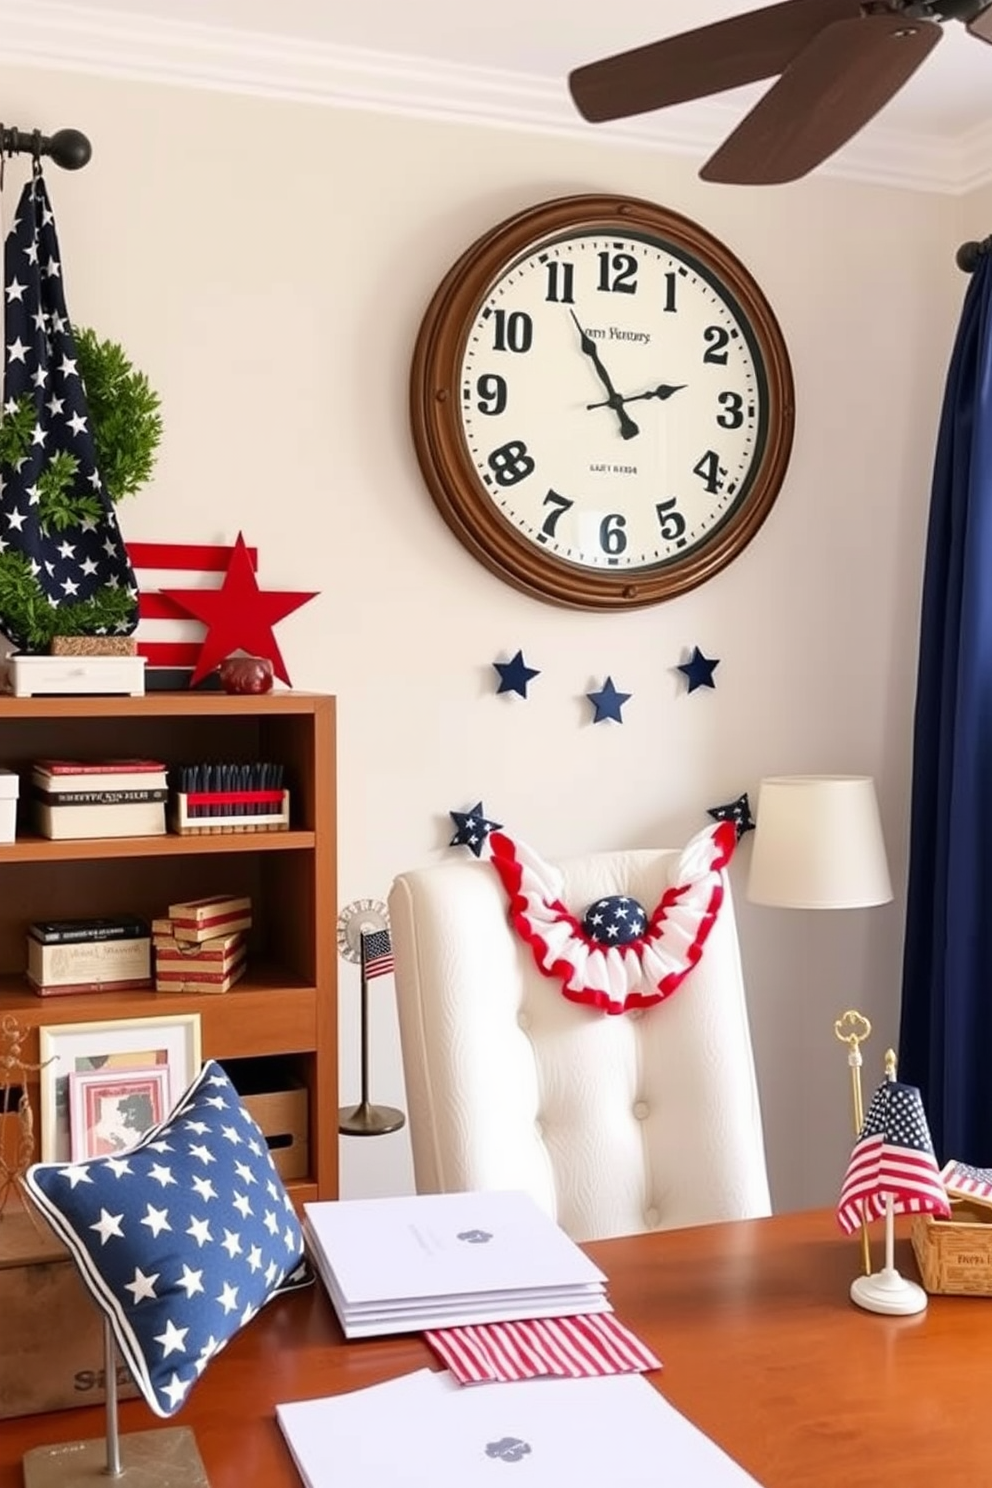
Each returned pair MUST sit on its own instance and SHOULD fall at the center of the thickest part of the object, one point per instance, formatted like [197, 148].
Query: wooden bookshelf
[283, 1014]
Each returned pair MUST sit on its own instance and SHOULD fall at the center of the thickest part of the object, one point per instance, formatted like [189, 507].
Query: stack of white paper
[400, 1265]
[425, 1429]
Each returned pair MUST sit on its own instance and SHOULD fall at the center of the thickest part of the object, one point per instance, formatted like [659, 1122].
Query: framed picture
[170, 1042]
[111, 1109]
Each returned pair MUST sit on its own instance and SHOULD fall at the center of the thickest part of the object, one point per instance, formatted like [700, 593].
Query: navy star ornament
[608, 703]
[738, 812]
[472, 828]
[514, 675]
[699, 669]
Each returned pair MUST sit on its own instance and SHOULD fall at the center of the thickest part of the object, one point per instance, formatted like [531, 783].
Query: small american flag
[893, 1156]
[377, 953]
[962, 1181]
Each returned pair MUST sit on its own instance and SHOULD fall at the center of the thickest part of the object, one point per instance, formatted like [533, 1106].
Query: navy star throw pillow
[181, 1239]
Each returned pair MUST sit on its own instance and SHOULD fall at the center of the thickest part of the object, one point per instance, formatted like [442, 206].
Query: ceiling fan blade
[981, 26]
[825, 96]
[743, 49]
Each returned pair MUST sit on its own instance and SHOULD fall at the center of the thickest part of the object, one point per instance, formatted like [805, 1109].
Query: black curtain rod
[67, 147]
[968, 254]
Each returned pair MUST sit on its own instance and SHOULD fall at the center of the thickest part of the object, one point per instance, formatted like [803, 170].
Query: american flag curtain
[71, 561]
[893, 1157]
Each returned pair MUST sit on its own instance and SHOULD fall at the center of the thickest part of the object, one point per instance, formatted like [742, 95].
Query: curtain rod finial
[969, 253]
[70, 149]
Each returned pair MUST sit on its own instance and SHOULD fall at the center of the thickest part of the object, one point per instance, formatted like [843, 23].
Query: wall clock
[601, 402]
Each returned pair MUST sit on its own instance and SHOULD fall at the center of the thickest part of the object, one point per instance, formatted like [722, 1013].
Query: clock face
[602, 402]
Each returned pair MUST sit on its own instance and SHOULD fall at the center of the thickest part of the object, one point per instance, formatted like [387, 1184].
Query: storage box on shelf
[286, 1003]
[52, 1353]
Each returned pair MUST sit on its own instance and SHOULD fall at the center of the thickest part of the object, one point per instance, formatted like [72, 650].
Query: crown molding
[119, 44]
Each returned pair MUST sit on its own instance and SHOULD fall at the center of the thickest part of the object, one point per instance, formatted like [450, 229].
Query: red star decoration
[239, 616]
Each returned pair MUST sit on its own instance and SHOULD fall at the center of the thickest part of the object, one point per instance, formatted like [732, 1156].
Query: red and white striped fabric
[965, 1182]
[617, 978]
[569, 1348]
[166, 636]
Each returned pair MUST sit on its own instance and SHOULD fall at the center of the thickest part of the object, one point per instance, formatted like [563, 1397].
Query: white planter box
[69, 676]
[9, 786]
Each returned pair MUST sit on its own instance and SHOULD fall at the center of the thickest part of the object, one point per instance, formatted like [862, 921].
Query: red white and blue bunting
[617, 978]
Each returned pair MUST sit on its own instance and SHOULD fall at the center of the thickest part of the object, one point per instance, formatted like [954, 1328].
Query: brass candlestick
[852, 1028]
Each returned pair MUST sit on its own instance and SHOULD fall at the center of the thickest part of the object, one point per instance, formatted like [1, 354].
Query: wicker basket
[955, 1255]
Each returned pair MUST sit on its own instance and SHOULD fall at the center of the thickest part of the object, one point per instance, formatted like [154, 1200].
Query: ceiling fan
[838, 63]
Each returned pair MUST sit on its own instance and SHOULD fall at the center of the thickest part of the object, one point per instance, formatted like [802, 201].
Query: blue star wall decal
[608, 702]
[514, 675]
[473, 827]
[738, 812]
[699, 670]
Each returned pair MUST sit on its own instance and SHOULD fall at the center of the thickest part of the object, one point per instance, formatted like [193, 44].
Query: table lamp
[818, 844]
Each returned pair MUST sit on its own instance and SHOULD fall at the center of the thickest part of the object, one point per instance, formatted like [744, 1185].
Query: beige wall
[267, 263]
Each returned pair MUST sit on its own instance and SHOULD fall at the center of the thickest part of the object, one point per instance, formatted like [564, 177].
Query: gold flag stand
[853, 1028]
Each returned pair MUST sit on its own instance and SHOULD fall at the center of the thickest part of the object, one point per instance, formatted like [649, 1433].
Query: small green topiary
[127, 429]
[124, 414]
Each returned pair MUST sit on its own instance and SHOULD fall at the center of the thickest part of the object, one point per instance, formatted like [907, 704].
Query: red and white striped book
[566, 1347]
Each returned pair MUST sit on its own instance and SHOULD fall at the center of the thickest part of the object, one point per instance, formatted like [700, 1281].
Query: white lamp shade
[818, 844]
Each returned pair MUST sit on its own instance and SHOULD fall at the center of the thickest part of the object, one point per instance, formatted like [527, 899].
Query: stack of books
[103, 798]
[423, 1261]
[88, 955]
[202, 945]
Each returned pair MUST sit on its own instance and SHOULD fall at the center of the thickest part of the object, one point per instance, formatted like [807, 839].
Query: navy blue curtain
[946, 1025]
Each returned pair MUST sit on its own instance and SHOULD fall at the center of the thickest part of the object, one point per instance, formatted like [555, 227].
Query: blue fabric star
[608, 702]
[738, 812]
[514, 675]
[473, 827]
[699, 670]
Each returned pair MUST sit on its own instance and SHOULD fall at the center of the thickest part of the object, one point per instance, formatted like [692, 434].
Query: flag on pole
[377, 953]
[963, 1181]
[59, 540]
[893, 1156]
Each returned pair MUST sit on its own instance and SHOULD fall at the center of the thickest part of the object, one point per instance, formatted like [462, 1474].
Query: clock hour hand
[663, 390]
[628, 428]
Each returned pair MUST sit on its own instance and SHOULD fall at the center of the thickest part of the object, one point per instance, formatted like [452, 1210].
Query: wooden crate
[283, 1117]
[955, 1255]
[51, 1355]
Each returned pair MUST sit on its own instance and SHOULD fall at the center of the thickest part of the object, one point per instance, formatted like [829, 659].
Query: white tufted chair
[614, 1123]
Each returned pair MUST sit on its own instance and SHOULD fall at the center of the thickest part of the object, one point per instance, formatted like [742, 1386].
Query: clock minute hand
[628, 428]
[663, 390]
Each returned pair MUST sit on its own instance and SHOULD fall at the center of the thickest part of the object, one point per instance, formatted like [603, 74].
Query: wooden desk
[760, 1344]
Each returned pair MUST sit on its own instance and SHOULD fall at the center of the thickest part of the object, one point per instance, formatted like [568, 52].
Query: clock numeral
[671, 522]
[717, 340]
[513, 331]
[617, 273]
[613, 535]
[709, 470]
[733, 411]
[561, 278]
[511, 463]
[671, 280]
[491, 390]
[560, 505]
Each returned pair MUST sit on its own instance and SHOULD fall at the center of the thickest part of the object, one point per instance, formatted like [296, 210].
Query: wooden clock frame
[443, 455]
